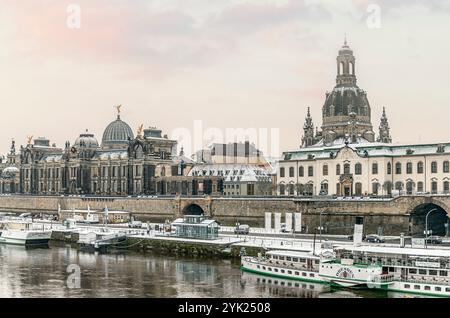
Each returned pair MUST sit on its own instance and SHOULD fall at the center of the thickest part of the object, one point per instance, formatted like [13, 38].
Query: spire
[308, 130]
[346, 65]
[384, 131]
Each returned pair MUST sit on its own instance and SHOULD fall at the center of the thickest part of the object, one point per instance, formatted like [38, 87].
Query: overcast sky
[231, 64]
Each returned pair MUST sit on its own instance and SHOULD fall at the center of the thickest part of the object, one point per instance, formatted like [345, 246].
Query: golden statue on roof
[140, 129]
[29, 139]
[118, 107]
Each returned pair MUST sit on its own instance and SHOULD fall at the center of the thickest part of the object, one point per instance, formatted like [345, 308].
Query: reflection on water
[41, 272]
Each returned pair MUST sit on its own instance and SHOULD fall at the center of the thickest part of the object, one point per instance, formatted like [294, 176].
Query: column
[288, 221]
[277, 222]
[268, 222]
[298, 222]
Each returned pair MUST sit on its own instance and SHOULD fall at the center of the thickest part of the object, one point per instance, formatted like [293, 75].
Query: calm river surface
[42, 272]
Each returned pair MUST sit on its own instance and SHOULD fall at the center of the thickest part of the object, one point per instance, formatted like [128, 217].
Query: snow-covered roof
[233, 172]
[429, 252]
[53, 158]
[111, 155]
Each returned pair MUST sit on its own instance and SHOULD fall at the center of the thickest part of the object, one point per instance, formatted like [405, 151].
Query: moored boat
[407, 270]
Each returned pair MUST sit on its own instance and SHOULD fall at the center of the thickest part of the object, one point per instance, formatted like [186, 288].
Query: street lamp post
[426, 226]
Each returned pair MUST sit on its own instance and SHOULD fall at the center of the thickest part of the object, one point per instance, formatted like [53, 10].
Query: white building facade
[345, 159]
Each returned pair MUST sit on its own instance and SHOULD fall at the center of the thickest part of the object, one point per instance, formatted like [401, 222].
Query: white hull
[32, 237]
[297, 274]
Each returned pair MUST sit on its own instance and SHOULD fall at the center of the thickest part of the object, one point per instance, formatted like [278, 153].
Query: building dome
[9, 172]
[86, 140]
[117, 134]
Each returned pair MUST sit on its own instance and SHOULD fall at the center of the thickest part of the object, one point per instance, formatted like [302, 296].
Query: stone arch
[193, 209]
[437, 219]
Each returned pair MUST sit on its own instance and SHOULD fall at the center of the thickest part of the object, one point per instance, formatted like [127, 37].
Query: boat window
[447, 289]
[443, 273]
[407, 286]
[258, 266]
[302, 260]
[317, 261]
[416, 286]
[274, 257]
[303, 274]
[295, 259]
[422, 271]
[282, 283]
[264, 267]
[437, 288]
[290, 272]
[276, 270]
[282, 271]
[413, 271]
[432, 272]
[281, 258]
[289, 259]
[303, 286]
[311, 275]
[297, 273]
[270, 269]
[427, 288]
[289, 284]
[297, 285]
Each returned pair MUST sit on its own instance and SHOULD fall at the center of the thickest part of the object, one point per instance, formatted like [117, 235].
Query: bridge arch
[193, 209]
[438, 220]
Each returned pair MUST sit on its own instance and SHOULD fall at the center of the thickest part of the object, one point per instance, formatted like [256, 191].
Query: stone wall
[337, 216]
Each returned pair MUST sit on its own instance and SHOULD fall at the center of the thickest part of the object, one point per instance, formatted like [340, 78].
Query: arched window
[374, 168]
[324, 189]
[375, 188]
[434, 167]
[434, 187]
[446, 167]
[282, 189]
[358, 188]
[281, 172]
[338, 169]
[420, 186]
[358, 169]
[420, 167]
[398, 168]
[409, 168]
[291, 189]
[291, 172]
[325, 170]
[301, 171]
[347, 168]
[341, 68]
[352, 68]
[310, 171]
[446, 187]
[409, 187]
[399, 185]
[389, 168]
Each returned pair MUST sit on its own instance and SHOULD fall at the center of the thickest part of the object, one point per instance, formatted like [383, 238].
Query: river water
[43, 272]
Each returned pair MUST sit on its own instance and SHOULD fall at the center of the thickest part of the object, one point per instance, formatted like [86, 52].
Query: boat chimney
[358, 230]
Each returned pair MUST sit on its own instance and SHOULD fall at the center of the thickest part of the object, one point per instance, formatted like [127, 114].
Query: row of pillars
[293, 221]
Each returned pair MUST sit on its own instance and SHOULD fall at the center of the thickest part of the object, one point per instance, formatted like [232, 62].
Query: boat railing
[385, 278]
[265, 262]
[427, 281]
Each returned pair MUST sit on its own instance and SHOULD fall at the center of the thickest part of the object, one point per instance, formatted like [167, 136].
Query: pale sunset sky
[229, 63]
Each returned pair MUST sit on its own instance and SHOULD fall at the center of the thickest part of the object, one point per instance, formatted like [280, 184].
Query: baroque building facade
[346, 159]
[122, 165]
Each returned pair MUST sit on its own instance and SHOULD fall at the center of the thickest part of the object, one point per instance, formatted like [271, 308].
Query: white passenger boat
[418, 271]
[23, 232]
[25, 237]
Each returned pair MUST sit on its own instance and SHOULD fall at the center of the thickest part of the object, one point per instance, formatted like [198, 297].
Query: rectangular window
[432, 272]
[407, 286]
[422, 271]
[443, 273]
[434, 187]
